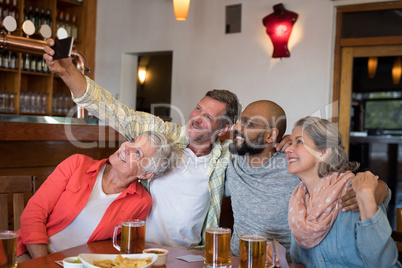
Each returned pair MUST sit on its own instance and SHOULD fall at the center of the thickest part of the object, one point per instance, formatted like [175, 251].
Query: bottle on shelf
[14, 61]
[26, 13]
[48, 18]
[31, 15]
[6, 61]
[11, 104]
[67, 24]
[60, 21]
[37, 18]
[1, 60]
[14, 10]
[1, 10]
[39, 64]
[74, 29]
[27, 62]
[45, 68]
[5, 9]
[42, 17]
[33, 64]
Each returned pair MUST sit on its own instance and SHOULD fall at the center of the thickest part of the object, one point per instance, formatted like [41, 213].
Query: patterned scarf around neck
[311, 215]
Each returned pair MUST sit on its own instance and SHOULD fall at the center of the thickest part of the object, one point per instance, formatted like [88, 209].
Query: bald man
[257, 179]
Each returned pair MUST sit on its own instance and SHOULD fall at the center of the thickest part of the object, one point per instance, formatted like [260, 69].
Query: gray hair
[325, 135]
[165, 156]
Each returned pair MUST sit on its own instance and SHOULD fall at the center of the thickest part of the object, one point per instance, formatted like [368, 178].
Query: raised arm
[65, 68]
[373, 232]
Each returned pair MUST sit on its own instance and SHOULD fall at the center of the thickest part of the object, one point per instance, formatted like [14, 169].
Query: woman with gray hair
[321, 235]
[83, 199]
[165, 156]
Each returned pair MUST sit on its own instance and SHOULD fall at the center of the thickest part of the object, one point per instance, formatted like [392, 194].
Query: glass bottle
[33, 64]
[74, 28]
[67, 24]
[42, 17]
[39, 64]
[14, 10]
[45, 68]
[13, 61]
[1, 10]
[31, 15]
[37, 18]
[26, 12]
[1, 59]
[48, 18]
[60, 22]
[6, 9]
[27, 62]
[6, 61]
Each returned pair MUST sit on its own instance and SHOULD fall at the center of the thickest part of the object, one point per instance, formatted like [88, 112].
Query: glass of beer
[217, 247]
[8, 249]
[132, 236]
[253, 251]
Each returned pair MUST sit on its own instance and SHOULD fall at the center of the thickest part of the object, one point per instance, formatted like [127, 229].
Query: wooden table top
[106, 247]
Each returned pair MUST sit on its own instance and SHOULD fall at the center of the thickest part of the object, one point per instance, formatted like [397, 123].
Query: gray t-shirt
[260, 198]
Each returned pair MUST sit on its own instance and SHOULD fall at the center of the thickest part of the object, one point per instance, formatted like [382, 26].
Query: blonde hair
[325, 135]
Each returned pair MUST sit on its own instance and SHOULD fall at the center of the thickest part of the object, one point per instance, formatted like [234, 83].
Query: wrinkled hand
[365, 183]
[281, 147]
[56, 66]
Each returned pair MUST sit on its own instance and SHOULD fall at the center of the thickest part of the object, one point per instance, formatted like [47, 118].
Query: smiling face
[205, 120]
[249, 136]
[258, 128]
[130, 159]
[302, 156]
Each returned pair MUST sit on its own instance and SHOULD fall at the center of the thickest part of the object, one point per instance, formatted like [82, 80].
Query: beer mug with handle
[132, 236]
[253, 252]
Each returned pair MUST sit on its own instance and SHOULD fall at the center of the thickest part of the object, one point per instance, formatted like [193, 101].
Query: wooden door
[348, 54]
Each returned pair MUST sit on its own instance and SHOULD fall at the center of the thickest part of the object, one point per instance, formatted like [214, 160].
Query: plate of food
[117, 260]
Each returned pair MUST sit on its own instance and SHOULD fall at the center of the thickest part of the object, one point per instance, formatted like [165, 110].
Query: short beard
[253, 147]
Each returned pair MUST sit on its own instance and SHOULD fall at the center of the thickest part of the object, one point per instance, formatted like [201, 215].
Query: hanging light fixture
[181, 9]
[372, 66]
[279, 26]
[397, 70]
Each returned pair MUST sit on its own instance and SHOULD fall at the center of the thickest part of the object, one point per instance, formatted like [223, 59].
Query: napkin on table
[191, 258]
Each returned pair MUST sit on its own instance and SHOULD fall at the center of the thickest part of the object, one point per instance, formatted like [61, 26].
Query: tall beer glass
[252, 251]
[217, 247]
[132, 236]
[8, 249]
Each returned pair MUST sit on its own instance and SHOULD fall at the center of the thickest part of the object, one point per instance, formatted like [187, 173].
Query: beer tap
[10, 25]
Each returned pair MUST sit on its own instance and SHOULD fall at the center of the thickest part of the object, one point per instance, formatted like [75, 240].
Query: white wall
[204, 57]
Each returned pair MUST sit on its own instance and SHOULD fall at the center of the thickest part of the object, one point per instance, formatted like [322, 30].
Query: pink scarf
[311, 215]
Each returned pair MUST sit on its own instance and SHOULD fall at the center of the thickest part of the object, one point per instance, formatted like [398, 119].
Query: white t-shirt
[81, 228]
[180, 202]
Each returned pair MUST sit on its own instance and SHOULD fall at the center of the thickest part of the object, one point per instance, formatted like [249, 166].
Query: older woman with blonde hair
[321, 235]
[83, 199]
